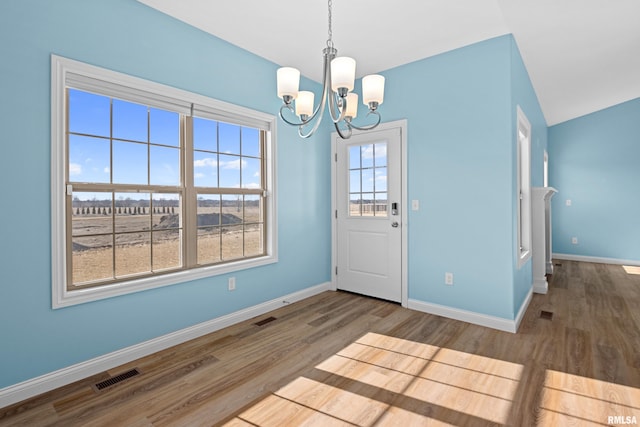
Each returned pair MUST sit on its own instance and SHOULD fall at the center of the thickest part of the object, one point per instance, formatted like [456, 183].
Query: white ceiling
[582, 55]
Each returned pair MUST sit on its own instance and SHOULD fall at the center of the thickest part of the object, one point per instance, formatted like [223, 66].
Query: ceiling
[582, 55]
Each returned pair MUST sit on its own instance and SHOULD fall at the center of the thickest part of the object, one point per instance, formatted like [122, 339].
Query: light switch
[415, 205]
[568, 202]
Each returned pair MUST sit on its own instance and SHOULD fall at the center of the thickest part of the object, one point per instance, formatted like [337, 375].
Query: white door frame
[335, 140]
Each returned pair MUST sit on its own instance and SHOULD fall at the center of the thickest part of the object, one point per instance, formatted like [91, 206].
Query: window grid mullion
[190, 212]
[113, 230]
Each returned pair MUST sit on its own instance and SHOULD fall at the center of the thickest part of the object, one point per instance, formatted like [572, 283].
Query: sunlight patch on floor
[631, 269]
[574, 400]
[382, 380]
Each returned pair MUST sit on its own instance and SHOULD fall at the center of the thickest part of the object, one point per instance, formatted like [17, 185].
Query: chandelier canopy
[337, 86]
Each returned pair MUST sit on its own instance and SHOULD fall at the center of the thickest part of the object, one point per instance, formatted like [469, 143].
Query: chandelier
[337, 85]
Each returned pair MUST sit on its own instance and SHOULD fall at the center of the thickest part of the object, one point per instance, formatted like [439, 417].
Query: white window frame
[523, 187]
[65, 71]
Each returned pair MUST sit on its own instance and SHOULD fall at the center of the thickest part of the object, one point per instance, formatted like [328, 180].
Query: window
[545, 170]
[523, 187]
[152, 185]
[368, 180]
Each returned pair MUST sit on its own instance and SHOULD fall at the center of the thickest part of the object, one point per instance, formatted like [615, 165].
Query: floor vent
[265, 321]
[115, 380]
[548, 315]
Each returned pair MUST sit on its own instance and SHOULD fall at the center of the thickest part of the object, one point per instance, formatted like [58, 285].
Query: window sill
[65, 298]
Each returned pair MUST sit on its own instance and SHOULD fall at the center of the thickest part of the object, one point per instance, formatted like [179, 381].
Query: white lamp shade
[343, 73]
[304, 103]
[372, 89]
[352, 105]
[288, 81]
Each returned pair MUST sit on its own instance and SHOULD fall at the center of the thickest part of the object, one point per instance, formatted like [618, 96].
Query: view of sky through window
[120, 142]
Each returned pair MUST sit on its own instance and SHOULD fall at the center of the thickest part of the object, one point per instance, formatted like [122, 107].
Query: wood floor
[346, 360]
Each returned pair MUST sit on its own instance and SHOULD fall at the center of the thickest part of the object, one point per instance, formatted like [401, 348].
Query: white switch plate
[574, 240]
[568, 202]
[232, 283]
[415, 205]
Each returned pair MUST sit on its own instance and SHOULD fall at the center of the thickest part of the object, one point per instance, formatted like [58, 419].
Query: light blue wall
[460, 109]
[523, 95]
[129, 37]
[460, 168]
[594, 161]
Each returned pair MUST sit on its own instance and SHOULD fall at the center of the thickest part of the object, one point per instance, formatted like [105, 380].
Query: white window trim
[62, 71]
[523, 189]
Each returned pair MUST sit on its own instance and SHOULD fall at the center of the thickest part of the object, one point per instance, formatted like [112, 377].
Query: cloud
[206, 162]
[106, 170]
[212, 162]
[75, 169]
[252, 185]
[233, 164]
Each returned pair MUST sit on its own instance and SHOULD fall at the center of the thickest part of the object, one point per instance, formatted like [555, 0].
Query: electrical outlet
[232, 283]
[574, 240]
[448, 279]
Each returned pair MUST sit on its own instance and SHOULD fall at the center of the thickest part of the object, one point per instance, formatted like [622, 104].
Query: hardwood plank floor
[346, 360]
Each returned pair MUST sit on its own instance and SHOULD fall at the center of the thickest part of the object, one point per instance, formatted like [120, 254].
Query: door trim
[335, 140]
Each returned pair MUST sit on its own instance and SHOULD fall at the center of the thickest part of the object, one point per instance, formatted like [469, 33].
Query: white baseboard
[540, 286]
[480, 319]
[523, 310]
[599, 260]
[35, 386]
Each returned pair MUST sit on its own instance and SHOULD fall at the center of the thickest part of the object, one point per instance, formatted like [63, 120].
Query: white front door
[368, 216]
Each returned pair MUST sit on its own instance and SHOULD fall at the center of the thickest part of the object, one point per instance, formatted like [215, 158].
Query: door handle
[394, 224]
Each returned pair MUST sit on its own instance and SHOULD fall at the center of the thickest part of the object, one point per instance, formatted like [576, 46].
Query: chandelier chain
[330, 31]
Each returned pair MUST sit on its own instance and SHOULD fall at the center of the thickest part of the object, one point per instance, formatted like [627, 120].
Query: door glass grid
[368, 180]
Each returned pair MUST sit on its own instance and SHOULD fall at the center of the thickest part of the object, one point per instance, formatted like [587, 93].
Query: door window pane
[366, 153]
[368, 180]
[381, 205]
[354, 157]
